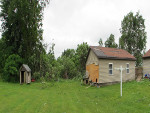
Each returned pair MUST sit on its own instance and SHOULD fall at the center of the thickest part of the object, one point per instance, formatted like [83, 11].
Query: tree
[133, 37]
[2, 56]
[67, 68]
[100, 42]
[81, 55]
[22, 25]
[69, 53]
[110, 42]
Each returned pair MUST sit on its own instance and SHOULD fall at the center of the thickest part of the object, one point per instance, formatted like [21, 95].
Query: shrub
[36, 75]
[11, 68]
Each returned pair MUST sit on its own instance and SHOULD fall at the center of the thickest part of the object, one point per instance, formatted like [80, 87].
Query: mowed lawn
[70, 96]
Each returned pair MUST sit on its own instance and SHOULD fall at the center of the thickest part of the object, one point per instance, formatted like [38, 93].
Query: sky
[68, 23]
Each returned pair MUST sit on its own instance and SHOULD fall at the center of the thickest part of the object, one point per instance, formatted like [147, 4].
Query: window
[127, 68]
[110, 68]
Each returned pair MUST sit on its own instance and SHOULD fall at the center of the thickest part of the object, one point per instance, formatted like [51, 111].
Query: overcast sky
[70, 22]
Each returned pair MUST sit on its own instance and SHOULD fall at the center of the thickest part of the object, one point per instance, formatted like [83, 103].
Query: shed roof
[147, 54]
[26, 67]
[111, 53]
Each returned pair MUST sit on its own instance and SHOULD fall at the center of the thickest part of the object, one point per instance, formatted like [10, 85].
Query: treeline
[71, 64]
[22, 37]
[21, 43]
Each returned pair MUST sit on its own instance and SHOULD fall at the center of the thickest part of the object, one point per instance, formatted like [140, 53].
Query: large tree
[22, 25]
[133, 37]
[110, 42]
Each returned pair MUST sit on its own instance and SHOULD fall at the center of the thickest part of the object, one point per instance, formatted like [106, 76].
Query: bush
[11, 68]
[36, 75]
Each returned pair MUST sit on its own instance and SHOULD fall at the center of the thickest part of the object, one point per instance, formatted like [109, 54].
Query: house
[146, 63]
[25, 74]
[102, 62]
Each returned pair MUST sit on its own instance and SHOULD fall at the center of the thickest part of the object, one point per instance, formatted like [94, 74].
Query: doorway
[86, 81]
[22, 76]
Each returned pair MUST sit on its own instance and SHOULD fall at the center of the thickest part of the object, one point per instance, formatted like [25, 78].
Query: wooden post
[20, 77]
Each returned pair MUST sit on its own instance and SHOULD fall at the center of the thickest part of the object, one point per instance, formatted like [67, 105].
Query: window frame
[110, 69]
[127, 68]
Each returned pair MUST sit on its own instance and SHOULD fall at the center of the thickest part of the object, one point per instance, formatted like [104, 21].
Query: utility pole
[121, 69]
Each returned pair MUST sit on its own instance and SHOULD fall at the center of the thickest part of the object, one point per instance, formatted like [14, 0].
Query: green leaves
[11, 69]
[81, 54]
[22, 25]
[22, 33]
[133, 37]
[110, 42]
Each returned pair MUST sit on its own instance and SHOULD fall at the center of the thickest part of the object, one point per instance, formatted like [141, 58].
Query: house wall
[92, 67]
[146, 66]
[105, 77]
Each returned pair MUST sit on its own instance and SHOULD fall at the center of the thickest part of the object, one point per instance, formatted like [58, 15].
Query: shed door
[22, 76]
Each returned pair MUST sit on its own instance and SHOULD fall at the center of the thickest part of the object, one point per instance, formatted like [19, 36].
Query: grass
[71, 97]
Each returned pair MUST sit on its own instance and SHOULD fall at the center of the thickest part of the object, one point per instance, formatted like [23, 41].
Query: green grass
[70, 97]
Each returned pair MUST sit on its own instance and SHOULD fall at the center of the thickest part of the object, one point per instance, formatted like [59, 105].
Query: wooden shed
[25, 74]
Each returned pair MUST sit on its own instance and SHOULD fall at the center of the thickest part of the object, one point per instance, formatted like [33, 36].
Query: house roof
[26, 67]
[147, 54]
[111, 53]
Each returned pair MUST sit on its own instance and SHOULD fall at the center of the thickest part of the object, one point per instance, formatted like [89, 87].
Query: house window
[127, 68]
[110, 68]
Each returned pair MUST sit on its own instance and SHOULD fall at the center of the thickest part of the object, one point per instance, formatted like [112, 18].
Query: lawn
[70, 96]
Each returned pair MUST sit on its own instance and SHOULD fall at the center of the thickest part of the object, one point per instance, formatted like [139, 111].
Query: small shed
[25, 74]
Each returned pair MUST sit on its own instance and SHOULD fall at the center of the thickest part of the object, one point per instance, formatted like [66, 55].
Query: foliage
[69, 53]
[110, 42]
[22, 31]
[133, 37]
[11, 69]
[100, 42]
[22, 35]
[36, 75]
[81, 55]
[67, 67]
[22, 25]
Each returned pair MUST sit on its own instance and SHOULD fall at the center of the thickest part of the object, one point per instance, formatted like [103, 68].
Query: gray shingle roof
[26, 67]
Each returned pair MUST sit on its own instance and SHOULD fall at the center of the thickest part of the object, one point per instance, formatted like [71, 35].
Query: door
[22, 76]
